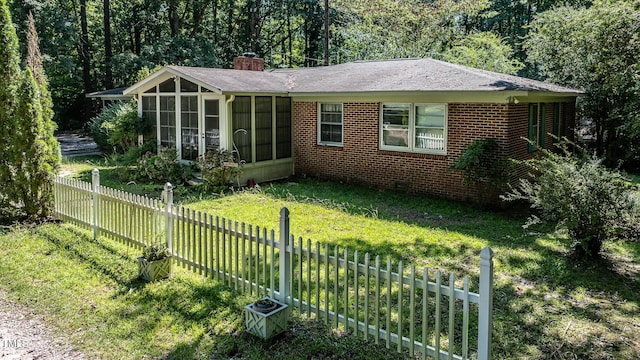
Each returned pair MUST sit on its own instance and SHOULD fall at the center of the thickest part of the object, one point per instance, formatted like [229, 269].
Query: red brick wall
[360, 160]
[248, 63]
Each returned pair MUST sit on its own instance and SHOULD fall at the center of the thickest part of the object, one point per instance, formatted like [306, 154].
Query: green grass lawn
[547, 304]
[89, 294]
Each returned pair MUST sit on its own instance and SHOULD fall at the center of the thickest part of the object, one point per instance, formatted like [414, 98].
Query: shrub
[484, 168]
[117, 127]
[218, 168]
[163, 167]
[133, 155]
[577, 192]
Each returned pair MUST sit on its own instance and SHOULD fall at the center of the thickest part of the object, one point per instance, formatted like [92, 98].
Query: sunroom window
[168, 121]
[414, 127]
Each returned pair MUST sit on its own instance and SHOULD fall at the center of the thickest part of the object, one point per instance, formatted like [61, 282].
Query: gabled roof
[229, 81]
[401, 75]
[221, 81]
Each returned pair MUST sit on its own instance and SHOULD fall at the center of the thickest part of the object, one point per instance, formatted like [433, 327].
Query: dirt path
[23, 335]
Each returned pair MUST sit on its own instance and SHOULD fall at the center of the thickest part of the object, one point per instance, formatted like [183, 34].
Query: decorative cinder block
[154, 270]
[267, 325]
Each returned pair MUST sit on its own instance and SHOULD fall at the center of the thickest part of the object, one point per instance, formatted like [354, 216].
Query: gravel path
[23, 335]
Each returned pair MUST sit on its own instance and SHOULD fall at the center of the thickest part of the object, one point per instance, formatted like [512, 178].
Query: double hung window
[330, 124]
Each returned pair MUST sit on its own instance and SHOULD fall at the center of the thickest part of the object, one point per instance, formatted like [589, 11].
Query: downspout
[230, 99]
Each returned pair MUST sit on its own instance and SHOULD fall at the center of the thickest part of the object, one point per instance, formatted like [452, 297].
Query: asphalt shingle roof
[410, 75]
[401, 75]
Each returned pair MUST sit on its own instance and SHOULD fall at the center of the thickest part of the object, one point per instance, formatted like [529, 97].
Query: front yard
[546, 304]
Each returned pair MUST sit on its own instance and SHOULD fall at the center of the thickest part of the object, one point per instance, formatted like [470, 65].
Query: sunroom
[196, 110]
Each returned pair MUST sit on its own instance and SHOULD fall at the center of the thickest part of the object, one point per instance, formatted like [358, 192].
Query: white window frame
[411, 148]
[330, 143]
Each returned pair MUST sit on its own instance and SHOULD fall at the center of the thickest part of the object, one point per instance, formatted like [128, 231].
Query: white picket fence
[417, 312]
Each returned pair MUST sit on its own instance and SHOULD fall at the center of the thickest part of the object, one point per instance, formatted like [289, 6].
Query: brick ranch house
[397, 124]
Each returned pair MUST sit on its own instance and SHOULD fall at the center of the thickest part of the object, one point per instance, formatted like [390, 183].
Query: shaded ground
[76, 144]
[22, 335]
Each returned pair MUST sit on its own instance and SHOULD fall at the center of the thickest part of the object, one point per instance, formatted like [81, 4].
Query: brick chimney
[248, 61]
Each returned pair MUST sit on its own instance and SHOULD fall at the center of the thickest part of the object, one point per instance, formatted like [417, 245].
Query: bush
[133, 155]
[218, 168]
[577, 192]
[117, 127]
[485, 168]
[163, 167]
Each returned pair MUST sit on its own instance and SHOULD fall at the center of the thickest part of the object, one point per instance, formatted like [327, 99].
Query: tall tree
[326, 33]
[108, 52]
[10, 75]
[384, 29]
[34, 63]
[36, 157]
[596, 49]
[484, 51]
[30, 155]
[85, 54]
[50, 153]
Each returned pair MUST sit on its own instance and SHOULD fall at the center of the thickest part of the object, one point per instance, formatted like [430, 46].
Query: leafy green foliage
[484, 167]
[419, 29]
[30, 154]
[596, 49]
[481, 162]
[219, 168]
[133, 155]
[117, 127]
[10, 75]
[578, 193]
[156, 251]
[162, 167]
[484, 51]
[35, 158]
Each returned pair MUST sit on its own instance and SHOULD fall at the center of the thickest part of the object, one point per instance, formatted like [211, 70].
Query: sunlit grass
[89, 293]
[547, 303]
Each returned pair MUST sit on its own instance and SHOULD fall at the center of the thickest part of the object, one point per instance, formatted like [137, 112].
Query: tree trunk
[85, 53]
[290, 33]
[174, 19]
[230, 47]
[215, 21]
[326, 32]
[137, 31]
[108, 53]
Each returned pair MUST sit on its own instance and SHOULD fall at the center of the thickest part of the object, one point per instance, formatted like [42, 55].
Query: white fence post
[95, 184]
[485, 307]
[285, 259]
[168, 218]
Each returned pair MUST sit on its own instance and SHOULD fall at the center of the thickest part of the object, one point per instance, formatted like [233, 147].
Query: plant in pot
[155, 262]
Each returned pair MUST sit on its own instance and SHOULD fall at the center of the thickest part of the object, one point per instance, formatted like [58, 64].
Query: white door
[212, 125]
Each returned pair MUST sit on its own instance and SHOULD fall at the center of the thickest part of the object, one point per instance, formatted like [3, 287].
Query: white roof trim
[160, 76]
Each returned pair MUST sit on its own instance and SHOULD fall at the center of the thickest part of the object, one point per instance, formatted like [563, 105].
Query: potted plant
[266, 318]
[155, 262]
